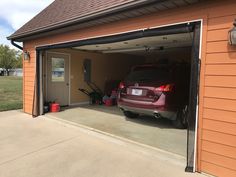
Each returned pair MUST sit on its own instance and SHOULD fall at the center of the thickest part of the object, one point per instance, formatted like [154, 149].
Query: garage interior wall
[107, 67]
[217, 99]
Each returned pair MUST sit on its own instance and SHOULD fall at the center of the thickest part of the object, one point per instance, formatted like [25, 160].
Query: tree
[8, 58]
[19, 59]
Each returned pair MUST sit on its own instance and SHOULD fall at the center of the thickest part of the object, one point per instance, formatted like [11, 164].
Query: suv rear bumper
[152, 112]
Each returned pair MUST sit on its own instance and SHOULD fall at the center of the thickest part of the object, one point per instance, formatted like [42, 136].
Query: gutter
[100, 14]
[16, 45]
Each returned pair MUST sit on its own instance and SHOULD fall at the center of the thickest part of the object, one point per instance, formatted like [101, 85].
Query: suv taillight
[121, 85]
[165, 88]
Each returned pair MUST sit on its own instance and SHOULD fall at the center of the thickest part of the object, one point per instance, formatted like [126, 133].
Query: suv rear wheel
[181, 119]
[130, 115]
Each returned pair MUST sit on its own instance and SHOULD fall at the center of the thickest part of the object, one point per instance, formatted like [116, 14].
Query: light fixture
[232, 35]
[26, 55]
[137, 49]
[124, 50]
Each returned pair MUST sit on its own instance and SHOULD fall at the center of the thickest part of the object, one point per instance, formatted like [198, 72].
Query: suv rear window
[148, 74]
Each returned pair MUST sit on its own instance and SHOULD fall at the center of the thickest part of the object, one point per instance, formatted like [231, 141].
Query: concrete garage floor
[44, 147]
[154, 132]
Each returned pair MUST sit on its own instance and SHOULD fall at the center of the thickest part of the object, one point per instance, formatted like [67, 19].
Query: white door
[58, 78]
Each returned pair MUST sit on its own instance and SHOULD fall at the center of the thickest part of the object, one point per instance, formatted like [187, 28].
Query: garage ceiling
[142, 44]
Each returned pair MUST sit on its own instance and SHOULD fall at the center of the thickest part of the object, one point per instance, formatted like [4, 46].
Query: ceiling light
[142, 49]
[124, 50]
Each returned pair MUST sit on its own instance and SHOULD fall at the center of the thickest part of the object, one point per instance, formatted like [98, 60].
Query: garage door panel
[220, 115]
[216, 92]
[221, 104]
[218, 137]
[219, 160]
[219, 149]
[219, 126]
[221, 58]
[220, 81]
[221, 70]
[217, 170]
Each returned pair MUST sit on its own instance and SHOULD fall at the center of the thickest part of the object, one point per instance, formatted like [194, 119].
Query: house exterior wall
[217, 100]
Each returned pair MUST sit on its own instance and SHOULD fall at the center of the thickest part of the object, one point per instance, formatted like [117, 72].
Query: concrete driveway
[44, 147]
[158, 133]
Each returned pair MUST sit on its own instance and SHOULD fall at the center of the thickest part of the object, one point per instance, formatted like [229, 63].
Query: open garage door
[150, 44]
[193, 99]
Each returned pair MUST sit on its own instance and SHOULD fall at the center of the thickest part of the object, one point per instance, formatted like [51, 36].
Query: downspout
[16, 45]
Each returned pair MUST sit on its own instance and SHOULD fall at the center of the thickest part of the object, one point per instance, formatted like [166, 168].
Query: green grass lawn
[10, 93]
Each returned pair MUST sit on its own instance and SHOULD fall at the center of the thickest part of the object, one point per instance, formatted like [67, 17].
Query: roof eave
[20, 37]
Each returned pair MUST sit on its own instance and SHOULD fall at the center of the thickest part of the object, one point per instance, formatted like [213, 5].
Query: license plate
[137, 92]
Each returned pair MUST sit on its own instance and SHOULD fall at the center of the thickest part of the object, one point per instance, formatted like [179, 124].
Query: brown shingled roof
[64, 11]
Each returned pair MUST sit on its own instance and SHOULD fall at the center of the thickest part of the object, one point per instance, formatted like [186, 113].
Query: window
[58, 70]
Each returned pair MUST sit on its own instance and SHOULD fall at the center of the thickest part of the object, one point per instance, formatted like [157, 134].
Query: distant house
[12, 72]
[1, 72]
[16, 72]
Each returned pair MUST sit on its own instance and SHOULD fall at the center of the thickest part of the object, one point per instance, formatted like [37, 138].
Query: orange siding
[221, 58]
[217, 100]
[220, 81]
[218, 154]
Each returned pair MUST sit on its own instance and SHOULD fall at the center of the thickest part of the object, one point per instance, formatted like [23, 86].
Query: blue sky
[15, 13]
